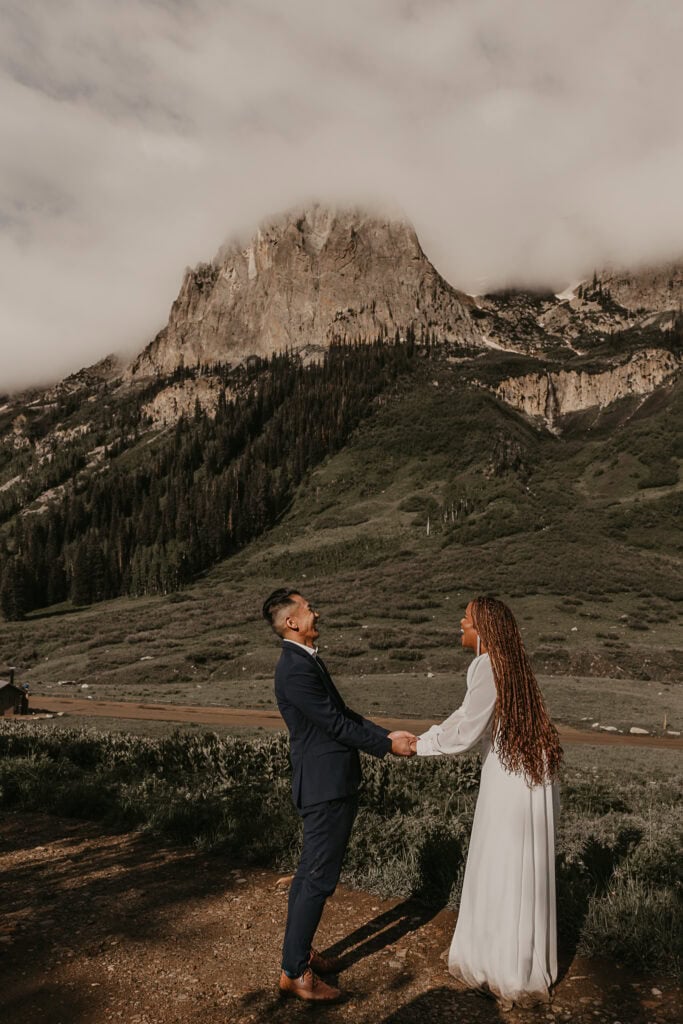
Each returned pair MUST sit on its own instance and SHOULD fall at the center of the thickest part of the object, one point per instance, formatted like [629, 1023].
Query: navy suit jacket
[325, 736]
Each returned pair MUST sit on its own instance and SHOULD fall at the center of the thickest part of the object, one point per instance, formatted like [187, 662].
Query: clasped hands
[403, 743]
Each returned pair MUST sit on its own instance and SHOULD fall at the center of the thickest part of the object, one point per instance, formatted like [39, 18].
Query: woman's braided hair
[524, 736]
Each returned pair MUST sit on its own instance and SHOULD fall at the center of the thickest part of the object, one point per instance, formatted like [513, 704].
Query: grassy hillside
[441, 494]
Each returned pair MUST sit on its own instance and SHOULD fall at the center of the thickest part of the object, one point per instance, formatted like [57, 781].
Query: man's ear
[291, 624]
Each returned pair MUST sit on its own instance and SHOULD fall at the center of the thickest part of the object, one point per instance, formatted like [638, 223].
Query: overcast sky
[525, 139]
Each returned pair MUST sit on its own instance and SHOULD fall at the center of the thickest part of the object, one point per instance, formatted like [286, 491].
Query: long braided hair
[524, 736]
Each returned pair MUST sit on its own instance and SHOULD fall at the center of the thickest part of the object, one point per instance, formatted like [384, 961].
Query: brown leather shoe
[308, 987]
[323, 964]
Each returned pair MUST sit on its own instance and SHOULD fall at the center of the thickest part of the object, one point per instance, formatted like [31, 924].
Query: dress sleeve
[468, 724]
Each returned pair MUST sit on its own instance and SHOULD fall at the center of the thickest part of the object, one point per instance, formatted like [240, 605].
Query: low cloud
[527, 142]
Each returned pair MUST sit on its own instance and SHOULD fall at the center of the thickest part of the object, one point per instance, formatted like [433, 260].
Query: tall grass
[618, 869]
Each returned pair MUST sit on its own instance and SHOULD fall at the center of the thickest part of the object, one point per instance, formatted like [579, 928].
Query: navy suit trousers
[327, 827]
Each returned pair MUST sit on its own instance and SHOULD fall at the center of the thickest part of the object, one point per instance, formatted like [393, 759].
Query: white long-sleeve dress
[505, 938]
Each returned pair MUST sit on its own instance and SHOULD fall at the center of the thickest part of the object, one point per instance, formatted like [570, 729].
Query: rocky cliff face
[550, 396]
[181, 399]
[320, 275]
[309, 279]
[607, 302]
[542, 322]
[649, 290]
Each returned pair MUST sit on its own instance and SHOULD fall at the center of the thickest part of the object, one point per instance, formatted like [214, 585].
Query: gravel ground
[100, 927]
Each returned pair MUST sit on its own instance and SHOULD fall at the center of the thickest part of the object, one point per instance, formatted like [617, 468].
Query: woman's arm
[466, 726]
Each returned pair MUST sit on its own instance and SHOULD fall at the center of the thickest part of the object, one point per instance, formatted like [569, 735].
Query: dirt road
[254, 718]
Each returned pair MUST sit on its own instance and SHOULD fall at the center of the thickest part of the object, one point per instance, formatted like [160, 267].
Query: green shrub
[636, 922]
[662, 472]
[386, 639]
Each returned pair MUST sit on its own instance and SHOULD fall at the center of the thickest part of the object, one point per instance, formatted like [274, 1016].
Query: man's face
[302, 621]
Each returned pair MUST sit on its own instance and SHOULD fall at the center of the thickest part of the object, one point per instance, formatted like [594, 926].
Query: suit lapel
[328, 679]
[321, 665]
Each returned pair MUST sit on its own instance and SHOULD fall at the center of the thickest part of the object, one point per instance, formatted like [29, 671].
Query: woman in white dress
[505, 940]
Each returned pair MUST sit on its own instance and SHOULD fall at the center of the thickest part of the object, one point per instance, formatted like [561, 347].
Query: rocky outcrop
[89, 378]
[307, 279]
[649, 290]
[583, 316]
[16, 436]
[539, 322]
[550, 396]
[181, 399]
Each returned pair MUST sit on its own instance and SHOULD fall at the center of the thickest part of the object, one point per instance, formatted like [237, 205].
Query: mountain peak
[306, 279]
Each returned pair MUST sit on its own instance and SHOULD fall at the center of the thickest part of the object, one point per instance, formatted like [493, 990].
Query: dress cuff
[424, 747]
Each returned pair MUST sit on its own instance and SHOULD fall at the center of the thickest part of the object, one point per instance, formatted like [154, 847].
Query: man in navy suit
[325, 737]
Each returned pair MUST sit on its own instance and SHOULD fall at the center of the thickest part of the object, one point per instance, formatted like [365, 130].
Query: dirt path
[252, 718]
[100, 927]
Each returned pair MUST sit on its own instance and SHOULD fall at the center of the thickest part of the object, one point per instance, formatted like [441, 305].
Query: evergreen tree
[81, 591]
[13, 590]
[209, 486]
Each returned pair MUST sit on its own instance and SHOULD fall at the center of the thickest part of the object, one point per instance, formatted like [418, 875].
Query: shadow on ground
[69, 899]
[383, 930]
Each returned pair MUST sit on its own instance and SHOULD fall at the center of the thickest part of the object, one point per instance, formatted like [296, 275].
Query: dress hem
[506, 1000]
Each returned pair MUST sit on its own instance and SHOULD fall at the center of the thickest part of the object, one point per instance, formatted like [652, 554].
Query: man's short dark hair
[279, 599]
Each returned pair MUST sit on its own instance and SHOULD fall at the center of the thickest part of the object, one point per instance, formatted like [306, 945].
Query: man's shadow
[381, 931]
[439, 865]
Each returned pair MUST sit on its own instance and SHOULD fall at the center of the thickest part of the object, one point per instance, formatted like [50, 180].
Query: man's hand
[402, 743]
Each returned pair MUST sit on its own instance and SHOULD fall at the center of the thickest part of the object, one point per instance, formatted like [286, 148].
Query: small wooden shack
[13, 700]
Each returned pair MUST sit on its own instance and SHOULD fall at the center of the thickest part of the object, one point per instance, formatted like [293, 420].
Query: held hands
[403, 743]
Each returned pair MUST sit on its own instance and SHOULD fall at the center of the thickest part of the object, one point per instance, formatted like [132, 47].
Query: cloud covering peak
[527, 142]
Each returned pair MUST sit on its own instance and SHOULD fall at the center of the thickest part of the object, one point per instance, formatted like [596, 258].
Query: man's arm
[401, 741]
[349, 711]
[365, 721]
[306, 692]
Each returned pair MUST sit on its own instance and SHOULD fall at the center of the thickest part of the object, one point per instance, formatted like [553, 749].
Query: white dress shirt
[313, 651]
